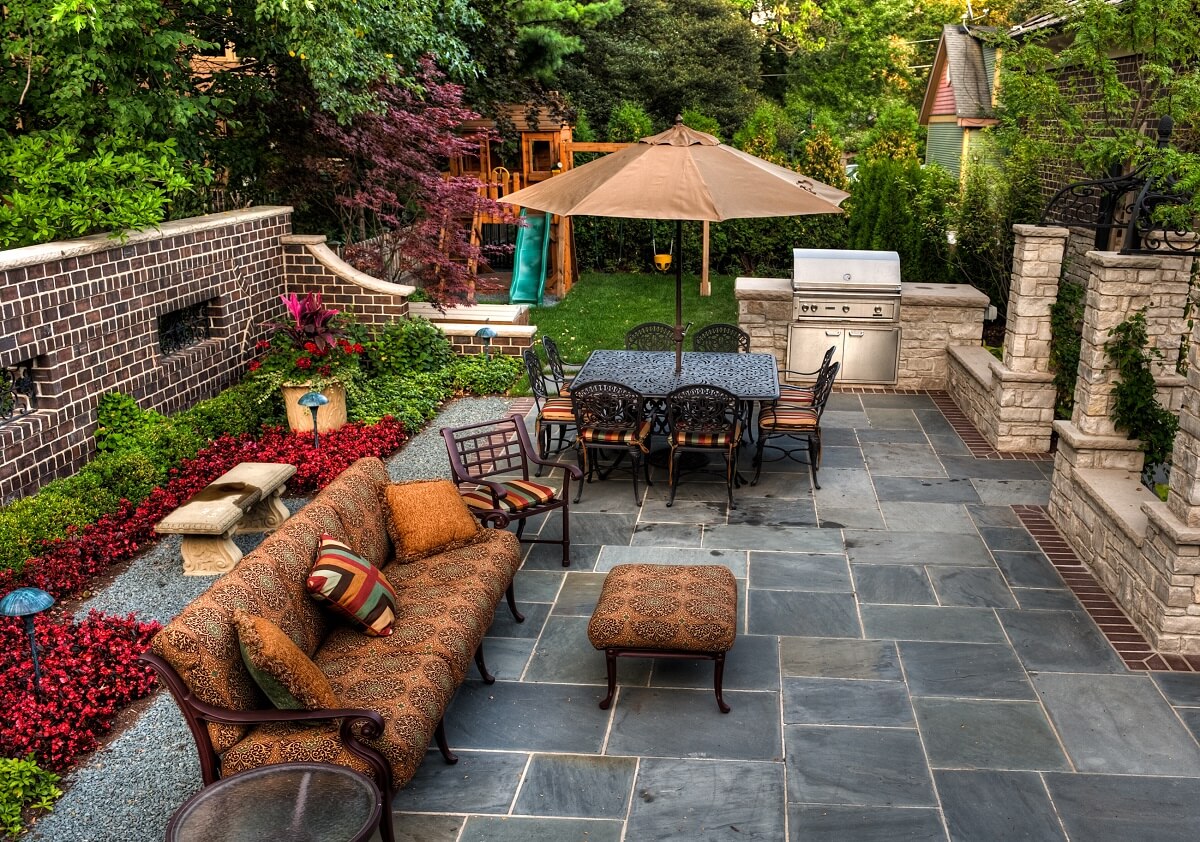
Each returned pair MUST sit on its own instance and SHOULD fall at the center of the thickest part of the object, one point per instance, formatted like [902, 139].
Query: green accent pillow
[282, 671]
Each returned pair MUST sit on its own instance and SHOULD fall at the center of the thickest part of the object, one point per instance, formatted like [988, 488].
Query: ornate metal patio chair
[557, 366]
[790, 393]
[490, 463]
[704, 419]
[610, 416]
[553, 413]
[781, 420]
[650, 336]
[721, 337]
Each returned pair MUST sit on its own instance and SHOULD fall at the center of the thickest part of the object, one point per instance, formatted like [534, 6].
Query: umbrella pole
[679, 298]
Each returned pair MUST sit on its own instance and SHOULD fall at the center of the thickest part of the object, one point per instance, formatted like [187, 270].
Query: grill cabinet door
[870, 355]
[807, 344]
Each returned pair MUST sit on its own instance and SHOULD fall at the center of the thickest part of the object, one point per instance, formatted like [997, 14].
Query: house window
[184, 327]
[18, 394]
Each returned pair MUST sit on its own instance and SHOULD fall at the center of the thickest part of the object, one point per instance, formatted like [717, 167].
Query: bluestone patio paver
[909, 665]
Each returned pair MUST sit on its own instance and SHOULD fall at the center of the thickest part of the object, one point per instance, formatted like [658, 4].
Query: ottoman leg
[610, 658]
[718, 674]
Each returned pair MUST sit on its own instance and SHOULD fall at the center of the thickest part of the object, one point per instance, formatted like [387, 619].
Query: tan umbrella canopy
[680, 174]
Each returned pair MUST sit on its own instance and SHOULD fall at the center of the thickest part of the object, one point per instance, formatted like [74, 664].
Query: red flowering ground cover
[89, 668]
[89, 673]
[68, 564]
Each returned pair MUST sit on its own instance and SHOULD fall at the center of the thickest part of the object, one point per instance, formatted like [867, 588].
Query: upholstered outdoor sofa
[393, 690]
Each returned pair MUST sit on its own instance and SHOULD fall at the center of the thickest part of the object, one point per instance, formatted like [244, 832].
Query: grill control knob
[878, 310]
[845, 308]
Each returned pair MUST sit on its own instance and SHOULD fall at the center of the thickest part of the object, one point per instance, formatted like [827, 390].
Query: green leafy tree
[701, 54]
[629, 122]
[696, 119]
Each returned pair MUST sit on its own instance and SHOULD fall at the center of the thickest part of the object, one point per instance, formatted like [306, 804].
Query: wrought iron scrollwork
[18, 394]
[183, 327]
[1127, 203]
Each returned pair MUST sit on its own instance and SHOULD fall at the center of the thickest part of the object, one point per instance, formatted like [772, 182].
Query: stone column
[1037, 265]
[765, 312]
[1184, 497]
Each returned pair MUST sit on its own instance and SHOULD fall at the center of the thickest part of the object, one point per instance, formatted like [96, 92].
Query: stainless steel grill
[850, 300]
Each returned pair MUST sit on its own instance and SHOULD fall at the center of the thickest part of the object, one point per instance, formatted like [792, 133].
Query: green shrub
[479, 375]
[412, 398]
[1135, 397]
[629, 123]
[1066, 326]
[408, 345]
[235, 411]
[25, 523]
[124, 427]
[24, 786]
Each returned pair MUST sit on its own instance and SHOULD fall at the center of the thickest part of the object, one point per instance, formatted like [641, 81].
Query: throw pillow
[428, 517]
[282, 671]
[352, 587]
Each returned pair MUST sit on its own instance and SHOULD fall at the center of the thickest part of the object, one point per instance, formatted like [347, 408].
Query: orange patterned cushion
[353, 588]
[356, 498]
[591, 435]
[286, 675]
[692, 608]
[788, 418]
[558, 410]
[427, 517]
[692, 438]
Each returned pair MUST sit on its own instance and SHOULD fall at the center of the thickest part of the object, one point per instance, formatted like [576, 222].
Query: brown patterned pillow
[284, 673]
[427, 517]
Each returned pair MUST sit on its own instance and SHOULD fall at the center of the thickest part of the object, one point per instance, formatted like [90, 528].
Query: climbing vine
[1136, 407]
[1066, 324]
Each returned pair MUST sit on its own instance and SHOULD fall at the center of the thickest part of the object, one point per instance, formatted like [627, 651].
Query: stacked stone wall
[85, 314]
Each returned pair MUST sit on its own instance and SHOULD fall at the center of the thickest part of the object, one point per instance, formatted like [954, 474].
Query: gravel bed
[129, 789]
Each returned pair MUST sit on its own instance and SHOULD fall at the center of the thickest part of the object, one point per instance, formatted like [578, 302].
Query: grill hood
[845, 270]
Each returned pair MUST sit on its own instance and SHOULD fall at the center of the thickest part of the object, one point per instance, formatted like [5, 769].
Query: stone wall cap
[329, 259]
[762, 289]
[942, 295]
[302, 239]
[1161, 516]
[1116, 260]
[1121, 495]
[976, 361]
[509, 331]
[1045, 232]
[63, 249]
[1073, 436]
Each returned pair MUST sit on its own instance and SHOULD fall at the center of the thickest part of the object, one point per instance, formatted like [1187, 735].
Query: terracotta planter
[330, 417]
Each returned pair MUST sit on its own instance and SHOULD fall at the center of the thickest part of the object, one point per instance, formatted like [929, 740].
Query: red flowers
[89, 672]
[254, 365]
[68, 564]
[304, 363]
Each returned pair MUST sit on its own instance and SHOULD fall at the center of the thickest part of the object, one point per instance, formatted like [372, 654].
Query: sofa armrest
[357, 724]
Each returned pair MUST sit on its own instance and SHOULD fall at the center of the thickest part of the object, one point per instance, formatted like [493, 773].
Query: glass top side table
[296, 802]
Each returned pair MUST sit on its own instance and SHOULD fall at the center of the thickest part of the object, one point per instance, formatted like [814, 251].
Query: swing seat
[662, 262]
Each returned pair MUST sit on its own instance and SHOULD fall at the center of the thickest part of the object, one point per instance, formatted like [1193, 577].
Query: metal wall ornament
[18, 394]
[181, 328]
[1135, 204]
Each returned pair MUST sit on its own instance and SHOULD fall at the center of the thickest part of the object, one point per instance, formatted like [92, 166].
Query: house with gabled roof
[960, 98]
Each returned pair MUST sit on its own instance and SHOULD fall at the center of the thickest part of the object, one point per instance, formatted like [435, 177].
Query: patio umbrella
[680, 174]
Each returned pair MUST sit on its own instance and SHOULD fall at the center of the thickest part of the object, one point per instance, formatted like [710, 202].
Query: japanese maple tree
[389, 180]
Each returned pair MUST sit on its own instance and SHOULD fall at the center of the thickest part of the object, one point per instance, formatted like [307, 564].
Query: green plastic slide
[530, 259]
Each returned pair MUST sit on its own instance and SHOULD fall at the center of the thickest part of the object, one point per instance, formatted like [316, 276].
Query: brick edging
[1114, 624]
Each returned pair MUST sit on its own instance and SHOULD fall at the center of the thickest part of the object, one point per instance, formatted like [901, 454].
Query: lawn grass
[601, 308]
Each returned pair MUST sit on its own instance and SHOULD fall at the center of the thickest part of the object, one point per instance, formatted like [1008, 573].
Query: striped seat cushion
[353, 588]
[782, 417]
[633, 438]
[796, 396]
[522, 494]
[558, 410]
[695, 438]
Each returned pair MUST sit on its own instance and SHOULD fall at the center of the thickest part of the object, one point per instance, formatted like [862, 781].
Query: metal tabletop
[751, 377]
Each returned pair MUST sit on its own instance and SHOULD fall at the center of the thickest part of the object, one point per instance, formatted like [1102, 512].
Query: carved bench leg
[266, 515]
[209, 555]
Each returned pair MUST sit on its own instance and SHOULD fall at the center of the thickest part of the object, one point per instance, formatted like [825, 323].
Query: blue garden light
[26, 603]
[487, 334]
[313, 401]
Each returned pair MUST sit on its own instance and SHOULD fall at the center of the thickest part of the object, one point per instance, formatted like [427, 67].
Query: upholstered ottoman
[665, 611]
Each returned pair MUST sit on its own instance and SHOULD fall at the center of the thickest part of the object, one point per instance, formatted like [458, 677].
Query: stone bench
[243, 499]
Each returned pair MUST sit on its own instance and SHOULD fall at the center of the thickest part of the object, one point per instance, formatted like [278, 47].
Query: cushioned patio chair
[490, 463]
[650, 336]
[553, 413]
[703, 419]
[782, 420]
[721, 337]
[802, 395]
[609, 416]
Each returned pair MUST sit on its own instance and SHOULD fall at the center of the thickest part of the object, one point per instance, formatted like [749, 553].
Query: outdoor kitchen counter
[933, 317]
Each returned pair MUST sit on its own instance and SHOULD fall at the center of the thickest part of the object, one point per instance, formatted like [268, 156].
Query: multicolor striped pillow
[353, 588]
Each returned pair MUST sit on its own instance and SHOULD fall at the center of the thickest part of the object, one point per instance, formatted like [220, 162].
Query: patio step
[493, 314]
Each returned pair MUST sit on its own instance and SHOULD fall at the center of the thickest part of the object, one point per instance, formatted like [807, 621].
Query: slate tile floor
[909, 666]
